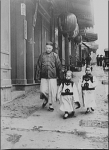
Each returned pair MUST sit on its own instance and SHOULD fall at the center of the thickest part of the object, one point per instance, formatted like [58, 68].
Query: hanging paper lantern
[76, 31]
[67, 23]
[78, 39]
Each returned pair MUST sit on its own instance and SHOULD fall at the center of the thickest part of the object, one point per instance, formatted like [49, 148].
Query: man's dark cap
[49, 43]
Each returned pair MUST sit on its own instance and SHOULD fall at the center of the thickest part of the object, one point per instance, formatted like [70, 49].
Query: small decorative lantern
[78, 39]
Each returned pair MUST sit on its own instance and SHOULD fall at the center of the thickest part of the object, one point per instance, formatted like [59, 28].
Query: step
[15, 95]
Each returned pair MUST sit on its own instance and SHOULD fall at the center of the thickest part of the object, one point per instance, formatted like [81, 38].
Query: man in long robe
[48, 69]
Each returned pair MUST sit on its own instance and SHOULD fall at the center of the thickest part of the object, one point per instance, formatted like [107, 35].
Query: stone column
[52, 26]
[5, 52]
[67, 51]
[60, 44]
[30, 43]
[59, 41]
[13, 41]
[73, 52]
[80, 52]
[21, 33]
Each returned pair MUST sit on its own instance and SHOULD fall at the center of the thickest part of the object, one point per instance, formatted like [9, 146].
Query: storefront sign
[23, 9]
[35, 16]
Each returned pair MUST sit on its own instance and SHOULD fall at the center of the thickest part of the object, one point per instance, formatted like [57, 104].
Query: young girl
[87, 85]
[68, 95]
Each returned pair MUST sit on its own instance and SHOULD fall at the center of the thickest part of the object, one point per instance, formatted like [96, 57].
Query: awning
[91, 45]
[82, 10]
[90, 37]
[106, 49]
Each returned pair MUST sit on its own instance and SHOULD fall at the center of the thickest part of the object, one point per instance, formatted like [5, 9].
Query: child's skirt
[89, 98]
[67, 103]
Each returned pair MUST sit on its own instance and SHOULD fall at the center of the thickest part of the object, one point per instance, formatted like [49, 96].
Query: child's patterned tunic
[68, 94]
[88, 94]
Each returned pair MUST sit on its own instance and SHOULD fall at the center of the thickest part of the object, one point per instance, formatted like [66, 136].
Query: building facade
[26, 25]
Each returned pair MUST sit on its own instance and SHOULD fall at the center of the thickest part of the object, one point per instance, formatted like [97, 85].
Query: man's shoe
[44, 104]
[51, 109]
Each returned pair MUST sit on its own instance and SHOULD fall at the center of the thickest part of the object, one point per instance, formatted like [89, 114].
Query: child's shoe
[72, 114]
[87, 111]
[78, 105]
[92, 109]
[65, 115]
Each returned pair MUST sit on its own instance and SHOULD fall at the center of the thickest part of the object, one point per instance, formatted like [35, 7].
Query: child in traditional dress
[87, 85]
[68, 95]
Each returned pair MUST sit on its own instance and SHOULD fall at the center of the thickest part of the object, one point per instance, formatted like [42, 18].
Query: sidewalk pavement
[24, 124]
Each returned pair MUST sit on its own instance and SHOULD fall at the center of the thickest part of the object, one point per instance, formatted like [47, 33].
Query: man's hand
[57, 99]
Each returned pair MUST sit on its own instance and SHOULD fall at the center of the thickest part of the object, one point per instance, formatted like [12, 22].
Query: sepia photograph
[54, 65]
